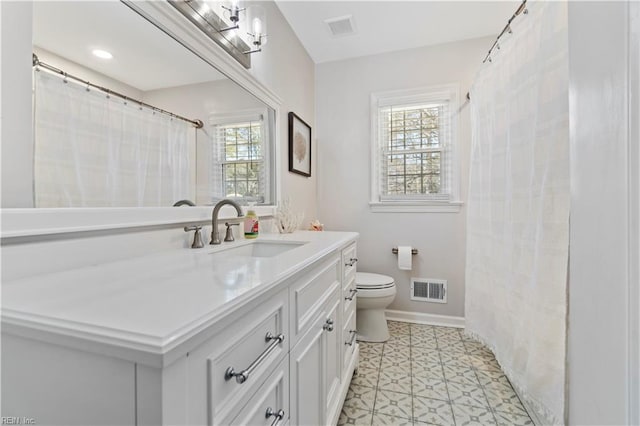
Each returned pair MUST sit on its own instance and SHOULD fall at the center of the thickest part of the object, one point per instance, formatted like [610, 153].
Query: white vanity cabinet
[325, 352]
[283, 357]
[315, 359]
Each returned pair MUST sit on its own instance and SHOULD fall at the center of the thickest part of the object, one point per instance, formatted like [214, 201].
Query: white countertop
[154, 303]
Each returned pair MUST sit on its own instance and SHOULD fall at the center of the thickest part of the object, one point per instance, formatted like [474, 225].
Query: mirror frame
[28, 222]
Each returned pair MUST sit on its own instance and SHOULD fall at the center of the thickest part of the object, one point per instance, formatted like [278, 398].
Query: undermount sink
[261, 249]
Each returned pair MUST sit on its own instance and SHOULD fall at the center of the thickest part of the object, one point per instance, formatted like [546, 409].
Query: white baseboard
[421, 318]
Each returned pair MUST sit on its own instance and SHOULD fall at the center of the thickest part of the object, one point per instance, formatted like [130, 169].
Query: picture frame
[299, 146]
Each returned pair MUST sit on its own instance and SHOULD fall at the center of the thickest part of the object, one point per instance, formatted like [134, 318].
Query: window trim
[411, 204]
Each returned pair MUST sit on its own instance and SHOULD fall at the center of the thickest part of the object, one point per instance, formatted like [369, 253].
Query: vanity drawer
[349, 261]
[348, 339]
[349, 295]
[272, 397]
[242, 346]
[309, 292]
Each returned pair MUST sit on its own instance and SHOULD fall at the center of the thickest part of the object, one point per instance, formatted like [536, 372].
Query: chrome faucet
[184, 203]
[215, 234]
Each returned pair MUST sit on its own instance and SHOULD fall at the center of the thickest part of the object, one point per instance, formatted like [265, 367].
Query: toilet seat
[370, 281]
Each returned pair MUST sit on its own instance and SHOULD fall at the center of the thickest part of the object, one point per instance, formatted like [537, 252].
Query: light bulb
[257, 27]
[102, 54]
[204, 9]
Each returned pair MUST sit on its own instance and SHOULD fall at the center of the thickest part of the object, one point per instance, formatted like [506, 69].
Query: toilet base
[372, 325]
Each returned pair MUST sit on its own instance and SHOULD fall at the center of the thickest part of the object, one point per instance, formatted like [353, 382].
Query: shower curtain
[518, 208]
[94, 150]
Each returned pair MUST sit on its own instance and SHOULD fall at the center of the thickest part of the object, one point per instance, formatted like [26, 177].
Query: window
[413, 150]
[241, 158]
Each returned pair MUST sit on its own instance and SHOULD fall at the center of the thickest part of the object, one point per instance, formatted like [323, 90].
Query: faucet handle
[229, 234]
[197, 237]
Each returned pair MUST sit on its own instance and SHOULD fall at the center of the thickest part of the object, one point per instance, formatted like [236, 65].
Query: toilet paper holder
[413, 251]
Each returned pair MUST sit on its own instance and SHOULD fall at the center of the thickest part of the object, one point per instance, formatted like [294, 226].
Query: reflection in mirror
[95, 148]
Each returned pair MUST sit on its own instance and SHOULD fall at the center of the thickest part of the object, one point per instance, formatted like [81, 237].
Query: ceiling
[384, 26]
[143, 56]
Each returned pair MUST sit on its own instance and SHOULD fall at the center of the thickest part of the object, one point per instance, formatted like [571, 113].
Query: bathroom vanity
[246, 333]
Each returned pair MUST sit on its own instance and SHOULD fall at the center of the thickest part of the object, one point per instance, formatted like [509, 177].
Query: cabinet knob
[354, 333]
[352, 261]
[352, 294]
[279, 415]
[328, 325]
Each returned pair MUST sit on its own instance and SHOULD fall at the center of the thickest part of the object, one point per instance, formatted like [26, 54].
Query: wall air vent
[341, 26]
[429, 290]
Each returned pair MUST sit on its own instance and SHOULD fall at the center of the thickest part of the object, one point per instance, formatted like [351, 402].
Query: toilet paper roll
[404, 257]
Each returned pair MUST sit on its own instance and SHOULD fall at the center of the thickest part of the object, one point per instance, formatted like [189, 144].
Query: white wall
[17, 132]
[343, 123]
[604, 213]
[286, 67]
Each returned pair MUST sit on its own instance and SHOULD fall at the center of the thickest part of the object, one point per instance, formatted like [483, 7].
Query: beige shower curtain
[518, 209]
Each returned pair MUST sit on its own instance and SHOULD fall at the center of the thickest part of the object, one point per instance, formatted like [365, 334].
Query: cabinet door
[308, 370]
[333, 357]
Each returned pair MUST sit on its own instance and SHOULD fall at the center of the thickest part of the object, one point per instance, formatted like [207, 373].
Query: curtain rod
[198, 124]
[507, 28]
[521, 9]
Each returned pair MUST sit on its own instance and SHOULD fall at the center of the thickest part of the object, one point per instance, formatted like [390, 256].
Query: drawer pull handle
[353, 337]
[243, 376]
[279, 415]
[328, 325]
[352, 261]
[352, 294]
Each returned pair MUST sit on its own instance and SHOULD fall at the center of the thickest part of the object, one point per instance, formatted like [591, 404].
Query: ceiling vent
[341, 26]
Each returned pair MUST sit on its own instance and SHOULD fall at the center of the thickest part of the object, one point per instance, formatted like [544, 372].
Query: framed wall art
[299, 146]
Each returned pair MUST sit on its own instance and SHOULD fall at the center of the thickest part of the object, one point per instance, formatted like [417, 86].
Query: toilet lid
[368, 280]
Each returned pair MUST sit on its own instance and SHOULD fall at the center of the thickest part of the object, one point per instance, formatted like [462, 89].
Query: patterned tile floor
[430, 375]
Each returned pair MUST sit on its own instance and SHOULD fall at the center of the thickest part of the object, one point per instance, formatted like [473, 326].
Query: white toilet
[375, 293]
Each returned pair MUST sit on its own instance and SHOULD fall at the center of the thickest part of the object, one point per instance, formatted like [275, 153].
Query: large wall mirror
[96, 148]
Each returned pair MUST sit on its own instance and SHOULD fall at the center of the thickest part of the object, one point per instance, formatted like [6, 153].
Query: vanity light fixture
[246, 35]
[102, 54]
[234, 14]
[258, 26]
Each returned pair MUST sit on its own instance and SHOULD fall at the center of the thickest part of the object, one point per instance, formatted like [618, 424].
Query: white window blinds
[239, 155]
[414, 146]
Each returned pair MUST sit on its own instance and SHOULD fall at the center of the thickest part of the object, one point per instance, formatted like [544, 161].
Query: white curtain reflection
[94, 150]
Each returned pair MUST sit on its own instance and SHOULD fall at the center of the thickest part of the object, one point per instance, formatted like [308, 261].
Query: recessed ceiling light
[103, 54]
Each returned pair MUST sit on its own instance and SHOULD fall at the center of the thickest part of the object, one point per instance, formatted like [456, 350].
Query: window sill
[416, 207]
